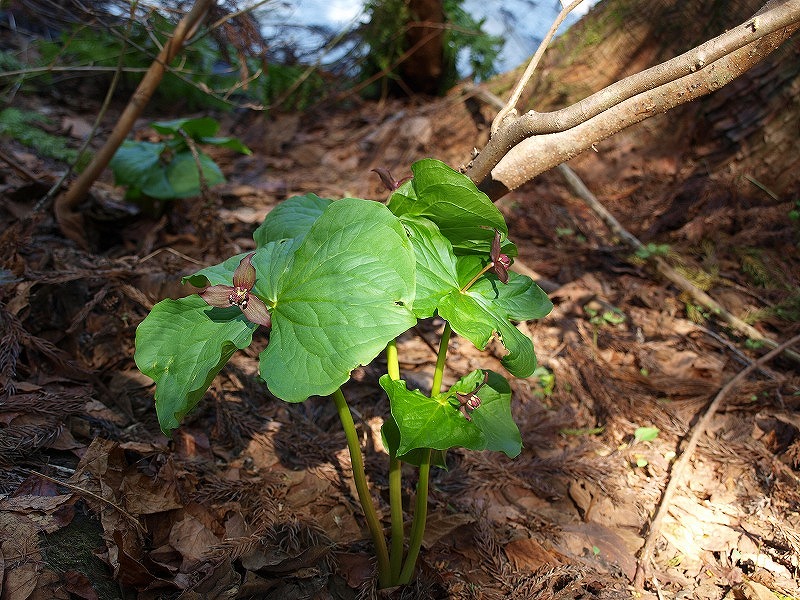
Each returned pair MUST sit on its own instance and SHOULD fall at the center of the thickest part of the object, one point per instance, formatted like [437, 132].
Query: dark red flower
[469, 402]
[500, 262]
[239, 294]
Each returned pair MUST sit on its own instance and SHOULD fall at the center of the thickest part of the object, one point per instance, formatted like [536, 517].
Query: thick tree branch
[536, 142]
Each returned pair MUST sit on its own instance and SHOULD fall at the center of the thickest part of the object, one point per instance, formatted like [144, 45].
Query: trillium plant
[332, 284]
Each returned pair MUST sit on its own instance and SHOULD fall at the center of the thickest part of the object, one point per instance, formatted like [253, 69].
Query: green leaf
[390, 434]
[493, 417]
[291, 219]
[133, 161]
[429, 422]
[183, 176]
[227, 142]
[464, 214]
[196, 128]
[182, 345]
[436, 265]
[420, 422]
[646, 434]
[485, 309]
[345, 295]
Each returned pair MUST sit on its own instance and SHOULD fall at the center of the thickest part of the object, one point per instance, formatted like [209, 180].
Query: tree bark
[423, 70]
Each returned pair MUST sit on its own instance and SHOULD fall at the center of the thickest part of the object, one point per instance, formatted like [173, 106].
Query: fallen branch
[676, 475]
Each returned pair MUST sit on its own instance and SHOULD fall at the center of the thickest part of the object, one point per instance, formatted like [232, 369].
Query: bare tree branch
[536, 142]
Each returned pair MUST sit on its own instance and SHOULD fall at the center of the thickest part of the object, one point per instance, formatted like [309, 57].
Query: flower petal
[495, 246]
[218, 295]
[245, 274]
[256, 312]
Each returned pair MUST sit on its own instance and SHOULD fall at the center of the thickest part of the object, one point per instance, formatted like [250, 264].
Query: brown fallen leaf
[529, 554]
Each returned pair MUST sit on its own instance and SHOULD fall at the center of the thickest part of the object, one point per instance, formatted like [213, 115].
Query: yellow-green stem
[420, 516]
[362, 488]
[395, 482]
[421, 505]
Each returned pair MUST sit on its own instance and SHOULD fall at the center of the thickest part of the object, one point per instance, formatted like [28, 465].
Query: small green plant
[27, 128]
[652, 249]
[547, 380]
[336, 283]
[168, 169]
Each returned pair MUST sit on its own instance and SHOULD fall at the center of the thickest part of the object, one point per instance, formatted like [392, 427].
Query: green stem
[441, 359]
[395, 481]
[364, 497]
[396, 505]
[421, 505]
[420, 516]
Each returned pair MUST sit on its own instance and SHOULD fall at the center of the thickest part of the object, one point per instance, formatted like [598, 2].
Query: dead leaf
[78, 584]
[529, 554]
[606, 544]
[438, 526]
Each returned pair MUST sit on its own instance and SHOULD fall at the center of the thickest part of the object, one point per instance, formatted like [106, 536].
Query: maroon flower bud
[500, 262]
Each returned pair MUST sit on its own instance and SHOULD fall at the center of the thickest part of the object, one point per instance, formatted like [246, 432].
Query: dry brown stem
[70, 221]
[676, 476]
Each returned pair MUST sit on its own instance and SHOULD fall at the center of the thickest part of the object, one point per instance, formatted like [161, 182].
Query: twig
[531, 68]
[676, 475]
[97, 497]
[665, 270]
[18, 167]
[71, 222]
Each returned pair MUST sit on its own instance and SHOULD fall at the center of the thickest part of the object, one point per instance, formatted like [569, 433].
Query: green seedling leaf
[464, 214]
[227, 142]
[182, 345]
[485, 308]
[195, 128]
[346, 294]
[291, 219]
[646, 434]
[183, 177]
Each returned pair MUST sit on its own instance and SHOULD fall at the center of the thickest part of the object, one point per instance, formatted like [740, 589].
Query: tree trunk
[423, 71]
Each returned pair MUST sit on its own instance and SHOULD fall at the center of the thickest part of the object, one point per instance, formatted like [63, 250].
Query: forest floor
[252, 497]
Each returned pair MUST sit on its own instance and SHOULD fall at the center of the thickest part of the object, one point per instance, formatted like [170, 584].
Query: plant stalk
[421, 505]
[395, 482]
[362, 488]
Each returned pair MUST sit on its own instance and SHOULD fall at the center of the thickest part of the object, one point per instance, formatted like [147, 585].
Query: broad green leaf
[133, 161]
[182, 345]
[345, 295]
[183, 176]
[390, 434]
[493, 417]
[436, 265]
[486, 308]
[227, 142]
[195, 128]
[429, 422]
[464, 214]
[291, 219]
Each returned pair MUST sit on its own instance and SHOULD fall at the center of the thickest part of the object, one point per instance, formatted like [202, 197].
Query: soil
[253, 498]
